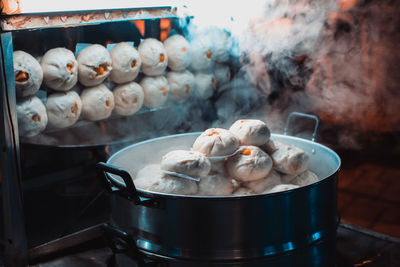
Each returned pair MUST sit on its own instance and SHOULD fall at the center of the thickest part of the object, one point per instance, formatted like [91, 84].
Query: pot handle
[129, 190]
[302, 115]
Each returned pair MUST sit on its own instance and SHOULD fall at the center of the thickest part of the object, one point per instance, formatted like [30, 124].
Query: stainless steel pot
[222, 228]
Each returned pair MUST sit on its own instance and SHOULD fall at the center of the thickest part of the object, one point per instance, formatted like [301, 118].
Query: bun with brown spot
[32, 117]
[250, 165]
[201, 52]
[156, 91]
[126, 63]
[177, 48]
[28, 74]
[154, 57]
[60, 69]
[128, 98]
[97, 102]
[216, 142]
[63, 109]
[94, 65]
[180, 84]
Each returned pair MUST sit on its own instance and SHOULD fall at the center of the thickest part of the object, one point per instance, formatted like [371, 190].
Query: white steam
[233, 16]
[267, 36]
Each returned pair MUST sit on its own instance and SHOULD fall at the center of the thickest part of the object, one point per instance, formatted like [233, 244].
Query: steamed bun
[204, 85]
[191, 163]
[60, 69]
[63, 109]
[250, 164]
[202, 53]
[180, 84]
[290, 159]
[215, 185]
[216, 142]
[128, 98]
[178, 52]
[153, 179]
[28, 74]
[174, 185]
[261, 185]
[126, 63]
[154, 57]
[250, 132]
[94, 65]
[302, 179]
[32, 116]
[155, 91]
[97, 103]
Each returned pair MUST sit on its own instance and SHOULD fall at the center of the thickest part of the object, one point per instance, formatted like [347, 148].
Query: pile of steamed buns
[174, 69]
[240, 161]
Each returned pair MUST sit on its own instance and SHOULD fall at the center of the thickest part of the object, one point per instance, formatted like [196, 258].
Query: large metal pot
[217, 228]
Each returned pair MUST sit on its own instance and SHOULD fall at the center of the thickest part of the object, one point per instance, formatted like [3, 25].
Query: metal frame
[16, 251]
[12, 7]
[10, 170]
[81, 18]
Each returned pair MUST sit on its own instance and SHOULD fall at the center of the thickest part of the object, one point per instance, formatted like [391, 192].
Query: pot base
[321, 253]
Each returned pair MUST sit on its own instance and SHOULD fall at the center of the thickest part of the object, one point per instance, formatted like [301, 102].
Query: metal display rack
[17, 18]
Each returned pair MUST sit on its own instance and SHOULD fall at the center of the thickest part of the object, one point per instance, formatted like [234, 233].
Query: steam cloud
[317, 57]
[267, 38]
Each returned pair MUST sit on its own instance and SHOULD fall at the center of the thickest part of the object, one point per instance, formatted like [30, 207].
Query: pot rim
[152, 194]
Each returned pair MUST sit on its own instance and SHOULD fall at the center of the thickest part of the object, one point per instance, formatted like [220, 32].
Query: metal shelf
[82, 122]
[81, 18]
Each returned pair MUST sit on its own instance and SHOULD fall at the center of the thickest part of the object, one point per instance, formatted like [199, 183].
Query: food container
[215, 228]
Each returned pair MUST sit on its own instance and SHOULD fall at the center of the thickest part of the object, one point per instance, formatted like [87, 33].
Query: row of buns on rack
[174, 69]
